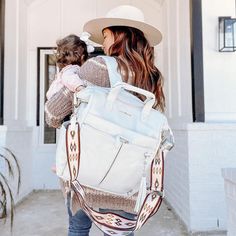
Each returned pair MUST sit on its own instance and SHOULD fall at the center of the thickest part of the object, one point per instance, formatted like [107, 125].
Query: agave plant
[6, 191]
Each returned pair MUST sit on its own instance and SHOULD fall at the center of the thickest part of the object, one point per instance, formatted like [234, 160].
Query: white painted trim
[198, 126]
[220, 117]
[3, 128]
[3, 131]
[229, 174]
[17, 60]
[61, 18]
[169, 76]
[35, 3]
[28, 2]
[178, 57]
[159, 2]
[16, 129]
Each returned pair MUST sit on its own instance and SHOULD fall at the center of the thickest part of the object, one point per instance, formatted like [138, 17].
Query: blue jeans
[80, 224]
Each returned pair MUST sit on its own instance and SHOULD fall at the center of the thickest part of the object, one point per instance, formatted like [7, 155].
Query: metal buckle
[161, 193]
[167, 142]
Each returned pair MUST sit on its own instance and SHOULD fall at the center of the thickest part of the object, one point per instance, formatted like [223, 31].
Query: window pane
[50, 72]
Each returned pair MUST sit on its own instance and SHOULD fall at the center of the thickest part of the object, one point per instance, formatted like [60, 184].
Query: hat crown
[126, 12]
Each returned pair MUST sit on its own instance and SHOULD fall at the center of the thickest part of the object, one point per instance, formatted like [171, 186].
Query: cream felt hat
[124, 15]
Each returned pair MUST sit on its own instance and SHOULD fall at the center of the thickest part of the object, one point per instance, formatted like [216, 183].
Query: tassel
[67, 187]
[143, 186]
[71, 200]
[141, 194]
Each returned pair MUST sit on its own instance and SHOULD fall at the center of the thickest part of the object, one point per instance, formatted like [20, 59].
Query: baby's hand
[79, 88]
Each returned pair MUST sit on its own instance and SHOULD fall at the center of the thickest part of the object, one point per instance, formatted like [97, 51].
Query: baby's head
[71, 50]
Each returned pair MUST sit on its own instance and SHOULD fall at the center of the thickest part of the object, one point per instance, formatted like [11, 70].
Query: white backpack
[113, 143]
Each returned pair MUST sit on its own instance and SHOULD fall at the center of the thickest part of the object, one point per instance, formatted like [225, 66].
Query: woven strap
[111, 223]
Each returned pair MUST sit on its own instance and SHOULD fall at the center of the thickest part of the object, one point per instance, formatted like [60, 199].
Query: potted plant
[9, 160]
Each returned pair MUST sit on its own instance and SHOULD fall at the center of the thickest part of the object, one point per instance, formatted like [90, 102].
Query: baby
[72, 52]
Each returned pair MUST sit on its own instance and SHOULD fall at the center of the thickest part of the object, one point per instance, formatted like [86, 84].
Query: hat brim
[96, 26]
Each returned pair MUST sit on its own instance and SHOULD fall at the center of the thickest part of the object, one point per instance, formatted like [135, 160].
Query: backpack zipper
[123, 141]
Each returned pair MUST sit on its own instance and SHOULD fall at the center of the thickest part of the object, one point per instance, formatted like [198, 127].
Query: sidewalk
[43, 214]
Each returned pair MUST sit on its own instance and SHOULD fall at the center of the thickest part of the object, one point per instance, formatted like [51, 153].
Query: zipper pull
[120, 141]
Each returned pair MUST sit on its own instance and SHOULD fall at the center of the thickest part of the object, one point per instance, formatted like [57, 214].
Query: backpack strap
[112, 67]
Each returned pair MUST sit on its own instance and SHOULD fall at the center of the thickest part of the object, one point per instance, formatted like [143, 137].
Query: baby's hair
[71, 50]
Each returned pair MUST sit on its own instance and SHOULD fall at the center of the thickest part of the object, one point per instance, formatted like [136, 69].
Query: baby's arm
[71, 79]
[55, 86]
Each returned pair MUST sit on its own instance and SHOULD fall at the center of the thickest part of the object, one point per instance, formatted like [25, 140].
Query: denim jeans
[80, 224]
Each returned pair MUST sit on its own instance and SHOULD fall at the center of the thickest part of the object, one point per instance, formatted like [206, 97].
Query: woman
[130, 41]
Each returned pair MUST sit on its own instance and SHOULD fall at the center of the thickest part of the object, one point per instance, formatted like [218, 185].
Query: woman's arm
[95, 71]
[58, 107]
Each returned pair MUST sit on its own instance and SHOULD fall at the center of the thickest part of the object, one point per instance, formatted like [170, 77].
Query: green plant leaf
[8, 189]
[12, 155]
[5, 190]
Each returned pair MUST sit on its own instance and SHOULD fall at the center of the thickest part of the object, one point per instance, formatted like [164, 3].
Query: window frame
[42, 53]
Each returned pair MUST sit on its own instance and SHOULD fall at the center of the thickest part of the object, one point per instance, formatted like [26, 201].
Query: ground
[43, 213]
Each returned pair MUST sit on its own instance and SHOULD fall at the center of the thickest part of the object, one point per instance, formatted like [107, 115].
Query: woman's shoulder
[96, 62]
[94, 70]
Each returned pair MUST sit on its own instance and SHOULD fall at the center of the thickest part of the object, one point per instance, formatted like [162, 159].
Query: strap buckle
[167, 142]
[161, 193]
[76, 101]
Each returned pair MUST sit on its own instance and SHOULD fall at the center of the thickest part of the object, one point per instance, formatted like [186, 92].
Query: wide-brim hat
[124, 15]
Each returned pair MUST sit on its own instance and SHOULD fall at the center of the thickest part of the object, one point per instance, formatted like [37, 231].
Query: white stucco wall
[210, 150]
[177, 71]
[177, 74]
[211, 146]
[193, 182]
[229, 175]
[19, 135]
[3, 130]
[177, 60]
[219, 68]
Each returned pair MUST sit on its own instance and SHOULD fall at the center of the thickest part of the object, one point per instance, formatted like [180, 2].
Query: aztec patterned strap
[111, 223]
[73, 149]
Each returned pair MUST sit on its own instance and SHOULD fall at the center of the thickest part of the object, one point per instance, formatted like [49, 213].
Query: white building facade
[200, 85]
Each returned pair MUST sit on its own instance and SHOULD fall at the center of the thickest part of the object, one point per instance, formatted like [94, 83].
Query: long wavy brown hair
[71, 50]
[135, 58]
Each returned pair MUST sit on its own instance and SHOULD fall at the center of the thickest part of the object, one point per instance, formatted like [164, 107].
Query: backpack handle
[148, 103]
